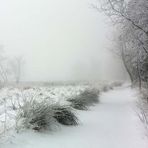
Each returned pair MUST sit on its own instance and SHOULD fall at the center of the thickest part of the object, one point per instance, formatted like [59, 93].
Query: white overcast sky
[59, 39]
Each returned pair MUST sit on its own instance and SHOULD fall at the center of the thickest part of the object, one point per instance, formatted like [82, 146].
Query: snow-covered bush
[116, 84]
[107, 88]
[78, 103]
[64, 115]
[36, 115]
[144, 95]
[43, 115]
[143, 112]
[142, 105]
[86, 98]
[111, 86]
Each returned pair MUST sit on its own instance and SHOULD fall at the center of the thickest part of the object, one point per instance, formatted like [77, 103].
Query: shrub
[78, 103]
[111, 86]
[36, 115]
[116, 84]
[142, 105]
[42, 116]
[64, 115]
[107, 88]
[86, 98]
[143, 112]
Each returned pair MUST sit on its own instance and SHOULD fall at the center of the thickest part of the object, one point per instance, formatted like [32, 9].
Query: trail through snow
[111, 124]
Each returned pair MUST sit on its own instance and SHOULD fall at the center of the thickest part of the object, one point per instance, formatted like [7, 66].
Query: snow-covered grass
[65, 115]
[35, 115]
[111, 124]
[43, 116]
[15, 100]
[85, 99]
[142, 104]
[19, 105]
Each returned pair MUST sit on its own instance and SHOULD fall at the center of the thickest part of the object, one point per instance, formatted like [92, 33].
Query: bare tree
[125, 62]
[4, 70]
[16, 67]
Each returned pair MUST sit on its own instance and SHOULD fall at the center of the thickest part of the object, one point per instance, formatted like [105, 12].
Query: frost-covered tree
[4, 68]
[131, 18]
[16, 65]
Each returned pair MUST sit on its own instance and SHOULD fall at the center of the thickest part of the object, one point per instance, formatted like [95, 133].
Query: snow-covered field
[13, 98]
[111, 124]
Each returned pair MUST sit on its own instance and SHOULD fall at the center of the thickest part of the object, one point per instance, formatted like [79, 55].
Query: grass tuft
[65, 116]
[43, 116]
[85, 99]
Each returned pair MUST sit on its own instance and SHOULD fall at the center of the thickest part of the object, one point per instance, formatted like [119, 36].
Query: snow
[11, 97]
[111, 124]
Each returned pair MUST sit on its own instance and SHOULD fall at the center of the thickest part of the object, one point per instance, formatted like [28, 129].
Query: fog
[59, 40]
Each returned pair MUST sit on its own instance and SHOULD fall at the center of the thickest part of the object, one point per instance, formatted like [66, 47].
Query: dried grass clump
[42, 116]
[36, 115]
[85, 99]
[64, 115]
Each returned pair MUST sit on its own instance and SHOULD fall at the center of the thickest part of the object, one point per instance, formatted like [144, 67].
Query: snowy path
[111, 124]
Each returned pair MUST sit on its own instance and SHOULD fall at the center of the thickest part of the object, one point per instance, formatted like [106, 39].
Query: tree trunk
[138, 72]
[125, 64]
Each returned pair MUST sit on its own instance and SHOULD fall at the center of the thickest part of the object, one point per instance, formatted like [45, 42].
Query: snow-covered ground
[12, 98]
[111, 124]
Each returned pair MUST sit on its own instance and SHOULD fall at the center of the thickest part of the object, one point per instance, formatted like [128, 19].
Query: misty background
[59, 40]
